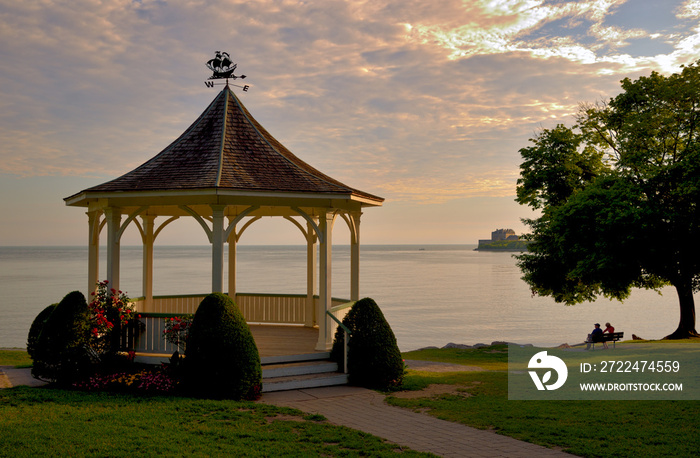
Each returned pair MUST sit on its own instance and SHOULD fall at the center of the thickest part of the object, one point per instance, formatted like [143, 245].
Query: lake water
[430, 295]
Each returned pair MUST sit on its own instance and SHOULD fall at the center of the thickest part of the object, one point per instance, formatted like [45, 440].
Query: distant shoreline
[503, 245]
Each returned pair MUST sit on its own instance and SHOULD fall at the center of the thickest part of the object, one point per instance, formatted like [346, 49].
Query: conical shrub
[222, 359]
[61, 350]
[35, 329]
[374, 359]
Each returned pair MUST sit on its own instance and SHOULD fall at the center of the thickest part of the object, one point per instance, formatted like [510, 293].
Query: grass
[690, 341]
[41, 421]
[73, 423]
[586, 428]
[15, 357]
[494, 358]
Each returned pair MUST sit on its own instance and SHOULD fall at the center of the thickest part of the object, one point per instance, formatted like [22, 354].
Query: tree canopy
[618, 194]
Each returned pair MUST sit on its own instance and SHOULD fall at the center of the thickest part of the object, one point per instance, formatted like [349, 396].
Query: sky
[424, 103]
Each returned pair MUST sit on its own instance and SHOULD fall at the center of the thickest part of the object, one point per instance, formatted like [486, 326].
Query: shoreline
[496, 342]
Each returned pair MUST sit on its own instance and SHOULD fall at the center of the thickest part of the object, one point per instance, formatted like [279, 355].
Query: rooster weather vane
[223, 68]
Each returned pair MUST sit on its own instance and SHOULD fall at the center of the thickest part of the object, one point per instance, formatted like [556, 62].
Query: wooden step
[299, 382]
[158, 358]
[300, 368]
[295, 372]
[321, 355]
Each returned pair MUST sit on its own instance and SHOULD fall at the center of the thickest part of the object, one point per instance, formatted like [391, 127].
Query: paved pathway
[9, 377]
[365, 410]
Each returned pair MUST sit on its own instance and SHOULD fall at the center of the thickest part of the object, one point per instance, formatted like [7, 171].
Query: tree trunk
[686, 326]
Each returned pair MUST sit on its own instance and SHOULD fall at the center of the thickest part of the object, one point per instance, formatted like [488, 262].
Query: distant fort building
[502, 235]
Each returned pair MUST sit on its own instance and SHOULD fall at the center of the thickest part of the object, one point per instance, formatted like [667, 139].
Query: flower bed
[138, 378]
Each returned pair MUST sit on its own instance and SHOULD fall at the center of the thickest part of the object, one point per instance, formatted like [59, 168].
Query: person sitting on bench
[609, 329]
[595, 336]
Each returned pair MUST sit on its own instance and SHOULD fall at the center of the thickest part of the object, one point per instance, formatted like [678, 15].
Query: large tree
[618, 194]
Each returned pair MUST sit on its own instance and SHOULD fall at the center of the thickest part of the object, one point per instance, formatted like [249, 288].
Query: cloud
[516, 26]
[690, 9]
[413, 100]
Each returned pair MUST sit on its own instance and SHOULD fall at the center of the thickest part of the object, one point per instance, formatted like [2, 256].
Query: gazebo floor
[284, 340]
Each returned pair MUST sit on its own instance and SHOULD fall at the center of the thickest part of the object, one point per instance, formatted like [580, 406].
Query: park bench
[607, 337]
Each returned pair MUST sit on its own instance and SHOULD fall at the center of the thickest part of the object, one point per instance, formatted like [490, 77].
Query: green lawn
[41, 422]
[45, 421]
[15, 357]
[587, 428]
[489, 358]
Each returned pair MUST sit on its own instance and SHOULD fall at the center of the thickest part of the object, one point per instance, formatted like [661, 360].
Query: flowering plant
[176, 330]
[109, 311]
[152, 380]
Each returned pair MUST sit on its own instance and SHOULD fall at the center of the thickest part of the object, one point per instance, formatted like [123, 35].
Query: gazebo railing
[277, 308]
[287, 309]
[337, 313]
[150, 339]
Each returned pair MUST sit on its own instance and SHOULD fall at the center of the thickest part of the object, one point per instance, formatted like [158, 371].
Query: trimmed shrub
[36, 327]
[61, 350]
[221, 358]
[374, 359]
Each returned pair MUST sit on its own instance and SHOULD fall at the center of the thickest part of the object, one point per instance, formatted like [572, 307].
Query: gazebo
[226, 171]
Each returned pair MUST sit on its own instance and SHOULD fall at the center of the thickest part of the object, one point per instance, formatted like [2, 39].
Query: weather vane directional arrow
[223, 68]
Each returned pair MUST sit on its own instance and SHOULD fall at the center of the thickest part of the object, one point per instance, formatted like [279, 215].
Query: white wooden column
[311, 278]
[355, 257]
[232, 251]
[113, 216]
[217, 249]
[93, 249]
[325, 339]
[148, 240]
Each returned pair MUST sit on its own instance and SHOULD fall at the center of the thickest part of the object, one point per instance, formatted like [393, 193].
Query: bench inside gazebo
[226, 171]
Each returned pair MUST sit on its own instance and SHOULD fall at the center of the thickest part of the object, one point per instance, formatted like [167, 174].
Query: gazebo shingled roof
[227, 148]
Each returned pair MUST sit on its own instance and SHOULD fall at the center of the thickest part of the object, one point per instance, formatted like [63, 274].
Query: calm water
[431, 295]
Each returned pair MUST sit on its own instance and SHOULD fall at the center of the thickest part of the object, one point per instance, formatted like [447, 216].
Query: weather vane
[223, 68]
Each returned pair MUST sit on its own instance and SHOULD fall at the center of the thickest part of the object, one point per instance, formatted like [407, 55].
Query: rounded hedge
[221, 358]
[35, 329]
[374, 359]
[61, 350]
